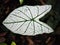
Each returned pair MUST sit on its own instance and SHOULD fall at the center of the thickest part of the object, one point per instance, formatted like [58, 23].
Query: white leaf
[25, 20]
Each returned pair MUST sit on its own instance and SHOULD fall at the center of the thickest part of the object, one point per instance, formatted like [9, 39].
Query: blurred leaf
[2, 39]
[13, 43]
[21, 2]
[3, 44]
[13, 37]
[3, 34]
[51, 2]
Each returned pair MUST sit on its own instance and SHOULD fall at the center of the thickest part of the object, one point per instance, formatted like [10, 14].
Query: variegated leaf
[25, 20]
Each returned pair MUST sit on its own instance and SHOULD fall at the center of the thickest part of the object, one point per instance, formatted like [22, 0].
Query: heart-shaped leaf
[25, 20]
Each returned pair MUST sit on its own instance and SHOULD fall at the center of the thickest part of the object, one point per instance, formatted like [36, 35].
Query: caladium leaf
[25, 20]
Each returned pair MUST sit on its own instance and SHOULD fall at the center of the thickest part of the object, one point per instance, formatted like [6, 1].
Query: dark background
[6, 6]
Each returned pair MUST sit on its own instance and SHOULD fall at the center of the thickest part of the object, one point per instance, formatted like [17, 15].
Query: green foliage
[21, 2]
[3, 44]
[51, 2]
[13, 43]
